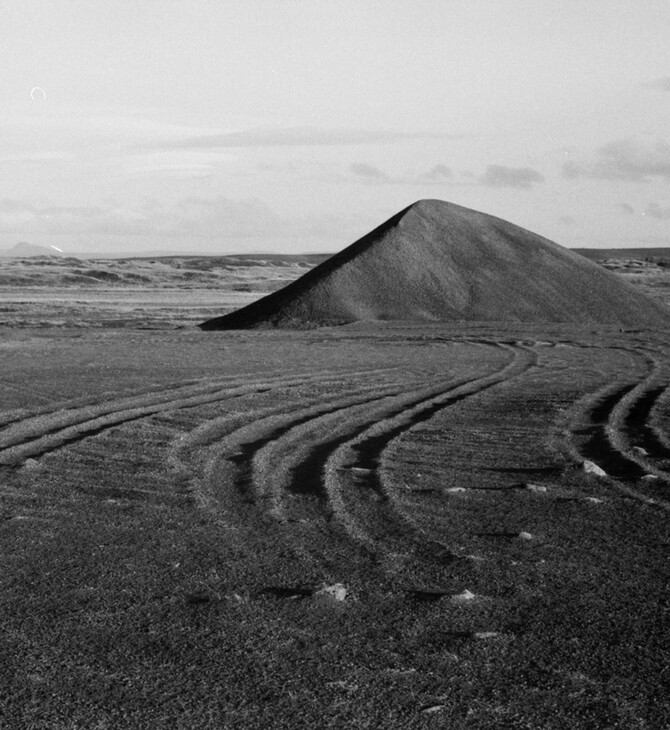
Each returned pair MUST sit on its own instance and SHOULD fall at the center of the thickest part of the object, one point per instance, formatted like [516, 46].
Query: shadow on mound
[436, 261]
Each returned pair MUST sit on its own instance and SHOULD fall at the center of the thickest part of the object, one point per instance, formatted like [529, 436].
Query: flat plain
[380, 525]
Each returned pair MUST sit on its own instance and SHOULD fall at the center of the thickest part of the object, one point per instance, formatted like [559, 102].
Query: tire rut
[615, 420]
[355, 467]
[39, 435]
[299, 475]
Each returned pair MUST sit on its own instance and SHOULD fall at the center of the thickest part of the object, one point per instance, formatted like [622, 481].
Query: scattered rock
[464, 597]
[525, 536]
[590, 467]
[640, 451]
[431, 709]
[31, 464]
[649, 477]
[335, 592]
[594, 500]
[535, 487]
[487, 634]
[455, 489]
[122, 503]
[235, 597]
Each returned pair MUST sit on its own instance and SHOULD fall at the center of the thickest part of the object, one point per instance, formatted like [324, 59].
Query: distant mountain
[24, 250]
[436, 261]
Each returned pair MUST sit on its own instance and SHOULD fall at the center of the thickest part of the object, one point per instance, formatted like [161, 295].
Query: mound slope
[439, 261]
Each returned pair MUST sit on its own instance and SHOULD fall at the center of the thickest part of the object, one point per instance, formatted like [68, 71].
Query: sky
[224, 126]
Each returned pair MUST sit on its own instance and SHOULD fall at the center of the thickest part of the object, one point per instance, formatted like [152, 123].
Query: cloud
[624, 159]
[358, 171]
[298, 137]
[655, 211]
[369, 172]
[567, 220]
[625, 208]
[662, 84]
[511, 177]
[439, 173]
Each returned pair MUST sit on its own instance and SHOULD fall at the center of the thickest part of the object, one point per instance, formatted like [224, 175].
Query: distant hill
[439, 261]
[601, 254]
[241, 259]
[26, 250]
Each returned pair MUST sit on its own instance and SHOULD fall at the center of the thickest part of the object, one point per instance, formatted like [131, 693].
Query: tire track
[198, 451]
[38, 435]
[228, 465]
[306, 475]
[354, 470]
[629, 430]
[602, 445]
[51, 406]
[615, 421]
[220, 451]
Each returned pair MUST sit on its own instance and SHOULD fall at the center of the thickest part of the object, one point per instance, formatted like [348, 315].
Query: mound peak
[439, 261]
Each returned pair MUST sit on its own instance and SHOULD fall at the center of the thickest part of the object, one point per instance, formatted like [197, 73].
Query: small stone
[594, 500]
[455, 489]
[525, 536]
[335, 592]
[640, 451]
[535, 488]
[432, 709]
[31, 464]
[592, 468]
[650, 477]
[465, 596]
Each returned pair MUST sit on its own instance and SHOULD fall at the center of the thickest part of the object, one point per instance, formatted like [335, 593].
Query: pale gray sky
[297, 125]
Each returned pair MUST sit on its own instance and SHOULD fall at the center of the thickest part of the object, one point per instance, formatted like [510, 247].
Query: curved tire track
[298, 471]
[616, 419]
[361, 456]
[220, 450]
[37, 435]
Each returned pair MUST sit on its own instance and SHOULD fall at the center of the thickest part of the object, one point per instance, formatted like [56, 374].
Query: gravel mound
[436, 261]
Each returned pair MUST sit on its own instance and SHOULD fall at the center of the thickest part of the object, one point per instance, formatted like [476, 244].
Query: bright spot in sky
[56, 247]
[38, 90]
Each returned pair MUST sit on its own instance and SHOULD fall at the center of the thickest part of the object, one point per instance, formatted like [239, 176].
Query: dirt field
[174, 501]
[371, 526]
